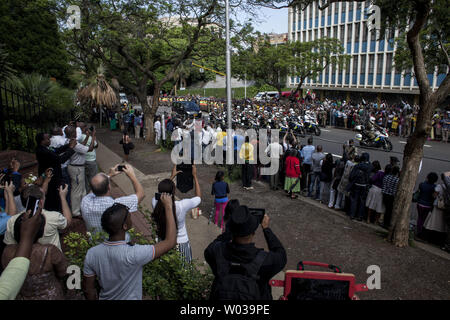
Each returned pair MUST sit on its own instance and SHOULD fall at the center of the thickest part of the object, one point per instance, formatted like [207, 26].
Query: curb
[420, 245]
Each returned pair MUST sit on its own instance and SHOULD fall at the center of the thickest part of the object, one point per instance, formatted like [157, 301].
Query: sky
[269, 20]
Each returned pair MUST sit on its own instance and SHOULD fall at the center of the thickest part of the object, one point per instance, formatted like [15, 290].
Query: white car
[266, 95]
[123, 98]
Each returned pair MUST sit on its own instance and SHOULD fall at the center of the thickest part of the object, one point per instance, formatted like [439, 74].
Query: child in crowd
[220, 189]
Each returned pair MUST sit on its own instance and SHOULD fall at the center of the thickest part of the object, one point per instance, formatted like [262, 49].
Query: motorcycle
[381, 139]
[311, 126]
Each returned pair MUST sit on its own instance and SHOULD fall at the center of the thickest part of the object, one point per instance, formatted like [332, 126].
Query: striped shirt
[390, 184]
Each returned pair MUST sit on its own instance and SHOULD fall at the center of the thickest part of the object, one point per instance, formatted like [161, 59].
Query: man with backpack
[358, 186]
[242, 271]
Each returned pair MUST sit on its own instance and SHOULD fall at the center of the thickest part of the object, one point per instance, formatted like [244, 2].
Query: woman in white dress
[435, 225]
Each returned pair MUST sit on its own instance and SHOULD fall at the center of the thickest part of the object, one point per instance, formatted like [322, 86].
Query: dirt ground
[313, 233]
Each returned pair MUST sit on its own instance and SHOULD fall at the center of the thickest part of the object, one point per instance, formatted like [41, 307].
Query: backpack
[359, 176]
[237, 281]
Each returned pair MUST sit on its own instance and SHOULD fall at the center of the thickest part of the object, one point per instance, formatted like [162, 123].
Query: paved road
[436, 154]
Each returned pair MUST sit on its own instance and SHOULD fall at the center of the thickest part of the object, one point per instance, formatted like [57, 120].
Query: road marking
[404, 142]
[325, 130]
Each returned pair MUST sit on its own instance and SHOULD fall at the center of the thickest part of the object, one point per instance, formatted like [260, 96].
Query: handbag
[441, 203]
[131, 145]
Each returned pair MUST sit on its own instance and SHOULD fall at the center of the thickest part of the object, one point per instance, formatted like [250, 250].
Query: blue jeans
[315, 179]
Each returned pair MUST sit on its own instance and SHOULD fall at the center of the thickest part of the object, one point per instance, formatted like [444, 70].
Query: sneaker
[250, 188]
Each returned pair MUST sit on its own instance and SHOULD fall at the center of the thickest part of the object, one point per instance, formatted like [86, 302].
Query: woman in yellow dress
[394, 124]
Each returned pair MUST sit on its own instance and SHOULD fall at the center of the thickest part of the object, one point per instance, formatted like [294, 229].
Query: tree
[6, 70]
[426, 25]
[309, 59]
[142, 43]
[263, 63]
[29, 30]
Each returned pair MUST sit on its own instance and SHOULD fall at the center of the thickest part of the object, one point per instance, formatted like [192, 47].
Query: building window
[343, 7]
[328, 32]
[335, 32]
[341, 36]
[371, 63]
[349, 33]
[304, 36]
[315, 34]
[365, 31]
[363, 65]
[373, 35]
[322, 32]
[388, 62]
[380, 63]
[357, 27]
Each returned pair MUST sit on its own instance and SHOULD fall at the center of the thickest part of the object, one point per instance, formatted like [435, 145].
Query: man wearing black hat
[234, 252]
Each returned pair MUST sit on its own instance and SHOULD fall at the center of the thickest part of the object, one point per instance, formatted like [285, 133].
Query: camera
[258, 213]
[157, 196]
[120, 168]
[92, 128]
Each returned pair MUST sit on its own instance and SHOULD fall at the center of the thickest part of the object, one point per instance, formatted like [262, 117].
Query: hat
[242, 222]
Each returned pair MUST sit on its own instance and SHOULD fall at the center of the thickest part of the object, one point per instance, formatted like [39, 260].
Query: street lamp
[228, 61]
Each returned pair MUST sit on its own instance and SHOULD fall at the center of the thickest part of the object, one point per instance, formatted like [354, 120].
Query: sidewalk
[307, 229]
[201, 234]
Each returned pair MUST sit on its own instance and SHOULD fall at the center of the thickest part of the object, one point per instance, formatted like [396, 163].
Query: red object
[337, 275]
[287, 94]
[292, 167]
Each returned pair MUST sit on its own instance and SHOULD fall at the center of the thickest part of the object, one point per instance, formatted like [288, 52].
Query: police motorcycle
[311, 125]
[380, 140]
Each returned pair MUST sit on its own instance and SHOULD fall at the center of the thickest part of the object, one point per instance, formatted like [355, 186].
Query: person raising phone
[117, 264]
[237, 246]
[181, 208]
[95, 203]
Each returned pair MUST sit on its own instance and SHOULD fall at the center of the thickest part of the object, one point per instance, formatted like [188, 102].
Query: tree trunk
[412, 155]
[150, 115]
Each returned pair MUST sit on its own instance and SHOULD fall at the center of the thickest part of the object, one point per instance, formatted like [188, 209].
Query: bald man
[95, 203]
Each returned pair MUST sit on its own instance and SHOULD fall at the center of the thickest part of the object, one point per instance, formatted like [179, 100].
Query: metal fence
[23, 116]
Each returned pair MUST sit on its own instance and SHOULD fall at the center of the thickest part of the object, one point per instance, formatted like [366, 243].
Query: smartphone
[157, 196]
[258, 213]
[120, 168]
[92, 129]
[32, 204]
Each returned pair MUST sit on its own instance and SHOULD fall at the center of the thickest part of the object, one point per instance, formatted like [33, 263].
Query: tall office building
[371, 72]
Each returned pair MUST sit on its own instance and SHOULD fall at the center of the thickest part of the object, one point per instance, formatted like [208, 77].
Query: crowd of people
[69, 187]
[398, 118]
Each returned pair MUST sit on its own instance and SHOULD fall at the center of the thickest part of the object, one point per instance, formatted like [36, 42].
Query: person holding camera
[180, 209]
[16, 271]
[90, 166]
[118, 265]
[242, 271]
[54, 221]
[95, 203]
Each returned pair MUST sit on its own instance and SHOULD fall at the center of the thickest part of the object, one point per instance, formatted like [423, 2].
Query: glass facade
[371, 55]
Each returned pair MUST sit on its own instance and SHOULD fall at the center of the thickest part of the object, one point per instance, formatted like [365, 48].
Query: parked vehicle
[123, 98]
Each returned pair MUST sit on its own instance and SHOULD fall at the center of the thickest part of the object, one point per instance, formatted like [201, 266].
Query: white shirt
[57, 142]
[206, 136]
[157, 126]
[182, 208]
[79, 157]
[274, 149]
